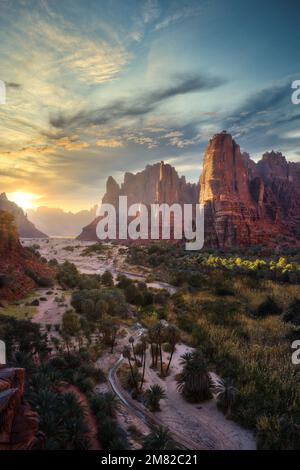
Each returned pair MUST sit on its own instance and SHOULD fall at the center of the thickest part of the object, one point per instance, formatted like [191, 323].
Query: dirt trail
[50, 312]
[202, 426]
[203, 423]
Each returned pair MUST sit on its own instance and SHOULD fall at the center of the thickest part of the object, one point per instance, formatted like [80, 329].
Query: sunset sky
[100, 87]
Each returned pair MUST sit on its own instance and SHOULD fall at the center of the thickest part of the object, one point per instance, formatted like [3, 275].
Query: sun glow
[24, 200]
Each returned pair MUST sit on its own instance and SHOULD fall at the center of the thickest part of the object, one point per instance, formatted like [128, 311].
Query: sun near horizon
[23, 199]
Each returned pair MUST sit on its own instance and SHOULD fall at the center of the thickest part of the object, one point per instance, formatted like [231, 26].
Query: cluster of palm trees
[136, 354]
[158, 335]
[196, 384]
[194, 381]
[61, 415]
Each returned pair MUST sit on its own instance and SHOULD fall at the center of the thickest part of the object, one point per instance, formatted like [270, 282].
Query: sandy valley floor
[201, 425]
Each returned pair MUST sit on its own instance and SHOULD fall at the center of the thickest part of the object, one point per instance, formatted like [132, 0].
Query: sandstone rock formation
[281, 198]
[245, 203]
[20, 269]
[158, 183]
[19, 425]
[26, 229]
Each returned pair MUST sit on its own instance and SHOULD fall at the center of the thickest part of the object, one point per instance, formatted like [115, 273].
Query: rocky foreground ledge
[19, 425]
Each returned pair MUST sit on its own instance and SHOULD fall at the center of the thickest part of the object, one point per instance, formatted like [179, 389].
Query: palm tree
[127, 355]
[151, 340]
[106, 403]
[173, 335]
[144, 349]
[111, 403]
[193, 382]
[226, 394]
[159, 439]
[153, 396]
[109, 329]
[157, 335]
[139, 352]
[160, 340]
[114, 332]
[131, 341]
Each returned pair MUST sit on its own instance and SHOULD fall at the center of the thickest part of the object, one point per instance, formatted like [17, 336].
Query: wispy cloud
[137, 106]
[109, 143]
[181, 13]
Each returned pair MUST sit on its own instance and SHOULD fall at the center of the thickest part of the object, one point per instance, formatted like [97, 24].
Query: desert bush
[67, 275]
[107, 279]
[292, 313]
[268, 307]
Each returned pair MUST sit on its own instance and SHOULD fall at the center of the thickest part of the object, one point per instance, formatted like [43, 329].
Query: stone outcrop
[246, 203]
[19, 267]
[19, 425]
[158, 183]
[25, 228]
[280, 191]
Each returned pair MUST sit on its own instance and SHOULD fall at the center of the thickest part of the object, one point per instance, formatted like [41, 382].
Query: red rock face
[225, 194]
[281, 182]
[16, 262]
[246, 203]
[19, 425]
[158, 183]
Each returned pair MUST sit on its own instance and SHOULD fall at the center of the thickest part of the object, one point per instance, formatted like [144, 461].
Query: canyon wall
[20, 269]
[245, 203]
[158, 183]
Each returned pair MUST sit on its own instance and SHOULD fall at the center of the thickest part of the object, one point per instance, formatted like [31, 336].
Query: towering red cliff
[225, 194]
[241, 206]
[20, 269]
[281, 195]
[158, 183]
[246, 203]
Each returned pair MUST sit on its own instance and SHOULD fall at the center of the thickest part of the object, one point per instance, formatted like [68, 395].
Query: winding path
[194, 427]
[142, 414]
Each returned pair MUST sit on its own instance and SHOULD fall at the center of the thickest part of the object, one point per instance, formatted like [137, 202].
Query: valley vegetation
[238, 315]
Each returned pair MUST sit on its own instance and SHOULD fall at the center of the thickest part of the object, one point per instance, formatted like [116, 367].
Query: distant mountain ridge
[245, 203]
[25, 227]
[57, 222]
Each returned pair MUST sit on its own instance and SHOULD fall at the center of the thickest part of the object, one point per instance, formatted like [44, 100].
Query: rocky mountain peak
[273, 165]
[225, 173]
[245, 203]
[26, 229]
